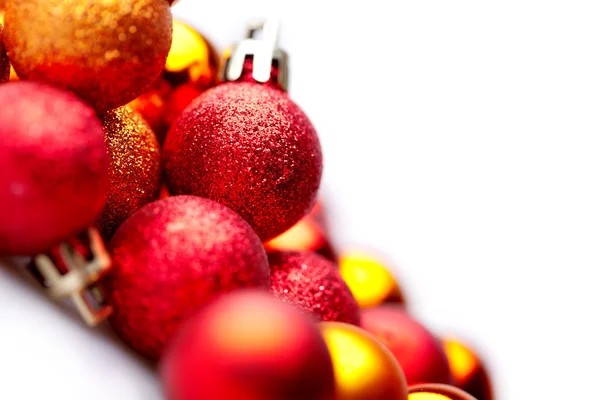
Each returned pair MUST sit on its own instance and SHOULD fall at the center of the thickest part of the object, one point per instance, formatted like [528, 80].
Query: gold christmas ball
[106, 51]
[364, 368]
[4, 64]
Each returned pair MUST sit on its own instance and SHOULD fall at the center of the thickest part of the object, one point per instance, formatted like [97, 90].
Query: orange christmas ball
[134, 172]
[107, 52]
[419, 353]
[152, 106]
[248, 345]
[468, 370]
[364, 368]
[4, 64]
[369, 279]
[434, 391]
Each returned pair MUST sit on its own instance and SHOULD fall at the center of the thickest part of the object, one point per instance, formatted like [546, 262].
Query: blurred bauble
[179, 99]
[248, 345]
[4, 63]
[107, 52]
[468, 370]
[434, 391]
[364, 368]
[418, 352]
[313, 284]
[307, 235]
[134, 172]
[152, 106]
[54, 167]
[369, 279]
[251, 148]
[172, 256]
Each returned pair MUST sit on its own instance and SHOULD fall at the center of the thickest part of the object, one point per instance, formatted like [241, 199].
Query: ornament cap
[261, 47]
[72, 269]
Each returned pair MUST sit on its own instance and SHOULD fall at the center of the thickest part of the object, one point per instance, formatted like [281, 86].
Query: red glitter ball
[172, 256]
[248, 345]
[250, 147]
[54, 167]
[4, 64]
[314, 284]
[419, 353]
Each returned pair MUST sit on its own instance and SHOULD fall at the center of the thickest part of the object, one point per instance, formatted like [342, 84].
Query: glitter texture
[134, 172]
[419, 353]
[4, 64]
[54, 167]
[106, 51]
[248, 346]
[171, 257]
[312, 283]
[251, 148]
[433, 391]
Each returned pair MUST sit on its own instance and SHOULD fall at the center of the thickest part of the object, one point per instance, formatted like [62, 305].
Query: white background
[460, 141]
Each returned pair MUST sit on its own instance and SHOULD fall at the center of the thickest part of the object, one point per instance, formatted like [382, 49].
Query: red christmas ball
[54, 167]
[436, 391]
[134, 172]
[172, 256]
[314, 284]
[418, 352]
[250, 147]
[248, 345]
[4, 64]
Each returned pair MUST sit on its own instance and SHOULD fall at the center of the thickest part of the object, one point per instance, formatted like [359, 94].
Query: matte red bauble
[54, 167]
[4, 64]
[314, 284]
[134, 172]
[418, 352]
[171, 257]
[250, 147]
[248, 345]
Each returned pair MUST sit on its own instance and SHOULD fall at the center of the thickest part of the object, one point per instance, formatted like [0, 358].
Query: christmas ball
[468, 371]
[107, 52]
[178, 100]
[54, 167]
[369, 279]
[4, 63]
[418, 352]
[251, 148]
[434, 391]
[248, 345]
[314, 285]
[134, 172]
[364, 368]
[172, 256]
[152, 106]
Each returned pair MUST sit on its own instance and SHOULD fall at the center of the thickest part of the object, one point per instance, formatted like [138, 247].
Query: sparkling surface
[89, 46]
[4, 64]
[313, 284]
[437, 392]
[53, 165]
[249, 346]
[171, 257]
[251, 148]
[134, 172]
[468, 370]
[364, 368]
[419, 353]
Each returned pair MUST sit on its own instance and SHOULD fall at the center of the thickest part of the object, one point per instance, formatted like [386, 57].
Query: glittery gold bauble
[364, 368]
[134, 173]
[369, 280]
[4, 64]
[106, 51]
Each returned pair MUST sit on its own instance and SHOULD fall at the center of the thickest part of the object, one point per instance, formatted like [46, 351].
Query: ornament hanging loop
[262, 51]
[72, 270]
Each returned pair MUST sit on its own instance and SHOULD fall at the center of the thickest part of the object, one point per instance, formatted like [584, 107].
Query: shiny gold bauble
[468, 370]
[106, 51]
[369, 279]
[364, 368]
[436, 391]
[4, 64]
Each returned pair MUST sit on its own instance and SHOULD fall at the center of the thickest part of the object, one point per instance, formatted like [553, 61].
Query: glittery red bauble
[251, 148]
[134, 172]
[248, 345]
[418, 352]
[314, 284]
[172, 256]
[4, 64]
[54, 167]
